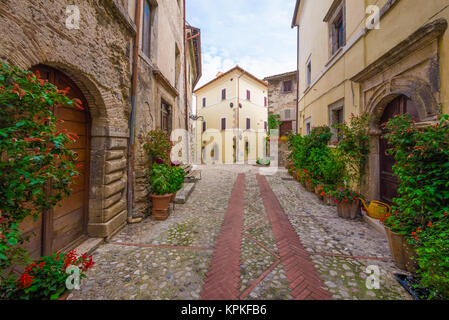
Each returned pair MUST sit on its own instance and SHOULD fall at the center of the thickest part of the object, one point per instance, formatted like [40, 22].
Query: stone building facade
[282, 95]
[97, 60]
[349, 64]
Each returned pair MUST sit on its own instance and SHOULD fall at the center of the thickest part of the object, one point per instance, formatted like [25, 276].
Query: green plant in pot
[176, 179]
[161, 188]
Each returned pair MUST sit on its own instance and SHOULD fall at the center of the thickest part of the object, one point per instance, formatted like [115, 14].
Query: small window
[265, 101]
[248, 123]
[336, 116]
[146, 34]
[309, 73]
[204, 126]
[204, 102]
[287, 86]
[223, 123]
[265, 126]
[287, 114]
[223, 94]
[308, 125]
[248, 95]
[337, 26]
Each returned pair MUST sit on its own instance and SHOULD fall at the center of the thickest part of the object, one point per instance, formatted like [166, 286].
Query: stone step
[90, 245]
[187, 168]
[184, 193]
[193, 176]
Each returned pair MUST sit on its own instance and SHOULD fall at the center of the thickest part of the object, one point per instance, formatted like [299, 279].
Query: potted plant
[348, 203]
[161, 188]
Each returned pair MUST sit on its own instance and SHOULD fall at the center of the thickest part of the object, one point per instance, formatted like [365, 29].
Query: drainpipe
[297, 81]
[132, 121]
[185, 84]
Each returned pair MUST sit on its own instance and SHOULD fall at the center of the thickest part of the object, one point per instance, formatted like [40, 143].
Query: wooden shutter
[204, 126]
[248, 95]
[248, 123]
[223, 94]
[146, 36]
[265, 101]
[204, 102]
[223, 124]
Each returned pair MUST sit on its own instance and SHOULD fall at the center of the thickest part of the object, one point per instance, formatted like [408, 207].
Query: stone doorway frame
[411, 69]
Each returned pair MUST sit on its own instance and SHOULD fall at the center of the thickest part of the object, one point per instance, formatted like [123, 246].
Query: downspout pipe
[297, 81]
[185, 85]
[132, 120]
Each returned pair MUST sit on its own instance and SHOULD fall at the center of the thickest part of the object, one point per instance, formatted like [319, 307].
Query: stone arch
[93, 94]
[417, 90]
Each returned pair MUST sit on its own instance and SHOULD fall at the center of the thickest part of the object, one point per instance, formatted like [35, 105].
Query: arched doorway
[65, 225]
[388, 181]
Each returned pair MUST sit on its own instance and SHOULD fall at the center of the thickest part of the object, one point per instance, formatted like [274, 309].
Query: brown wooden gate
[66, 225]
[286, 128]
[388, 181]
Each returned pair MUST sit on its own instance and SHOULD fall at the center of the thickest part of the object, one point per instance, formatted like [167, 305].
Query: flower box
[348, 210]
[401, 251]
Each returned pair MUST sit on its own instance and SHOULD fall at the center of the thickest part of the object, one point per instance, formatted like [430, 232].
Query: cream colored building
[349, 64]
[233, 100]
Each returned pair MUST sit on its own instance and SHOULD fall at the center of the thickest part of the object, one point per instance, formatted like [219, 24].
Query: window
[287, 114]
[248, 123]
[309, 73]
[204, 102]
[223, 94]
[265, 101]
[204, 126]
[223, 123]
[308, 125]
[335, 18]
[287, 86]
[265, 126]
[166, 117]
[146, 34]
[177, 65]
[248, 95]
[336, 116]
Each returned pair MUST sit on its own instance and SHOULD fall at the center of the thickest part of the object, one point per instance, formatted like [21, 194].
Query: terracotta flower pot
[347, 210]
[173, 197]
[328, 200]
[318, 191]
[161, 206]
[309, 186]
[401, 251]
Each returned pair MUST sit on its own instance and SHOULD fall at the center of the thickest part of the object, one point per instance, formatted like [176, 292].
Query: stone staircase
[192, 176]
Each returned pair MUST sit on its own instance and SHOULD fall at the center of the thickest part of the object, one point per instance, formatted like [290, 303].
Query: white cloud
[255, 34]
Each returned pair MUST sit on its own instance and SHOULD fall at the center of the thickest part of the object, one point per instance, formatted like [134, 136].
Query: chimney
[219, 74]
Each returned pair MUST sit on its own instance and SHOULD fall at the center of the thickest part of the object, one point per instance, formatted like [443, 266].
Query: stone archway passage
[388, 182]
[66, 224]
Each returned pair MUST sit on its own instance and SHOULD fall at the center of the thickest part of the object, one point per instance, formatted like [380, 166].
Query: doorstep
[375, 223]
[89, 245]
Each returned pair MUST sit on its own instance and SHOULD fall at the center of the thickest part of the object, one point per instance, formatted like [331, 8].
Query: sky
[254, 34]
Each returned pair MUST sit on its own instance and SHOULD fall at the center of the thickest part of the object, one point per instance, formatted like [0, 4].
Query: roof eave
[295, 14]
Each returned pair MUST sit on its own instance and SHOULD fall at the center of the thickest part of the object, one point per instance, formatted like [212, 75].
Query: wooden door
[388, 181]
[285, 128]
[66, 224]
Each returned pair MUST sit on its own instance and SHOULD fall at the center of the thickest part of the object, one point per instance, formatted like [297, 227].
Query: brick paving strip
[222, 282]
[305, 282]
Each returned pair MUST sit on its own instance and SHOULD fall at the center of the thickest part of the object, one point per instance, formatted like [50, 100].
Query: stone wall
[97, 58]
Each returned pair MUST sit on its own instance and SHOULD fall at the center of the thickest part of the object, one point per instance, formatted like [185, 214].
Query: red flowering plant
[45, 278]
[34, 157]
[158, 147]
[345, 195]
[422, 205]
